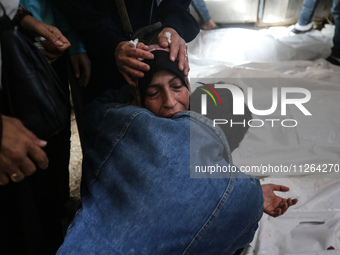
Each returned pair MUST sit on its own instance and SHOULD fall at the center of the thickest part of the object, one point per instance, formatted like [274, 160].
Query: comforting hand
[127, 61]
[20, 148]
[273, 204]
[178, 48]
[81, 67]
[55, 44]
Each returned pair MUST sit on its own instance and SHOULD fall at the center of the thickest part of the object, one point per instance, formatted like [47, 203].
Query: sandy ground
[75, 161]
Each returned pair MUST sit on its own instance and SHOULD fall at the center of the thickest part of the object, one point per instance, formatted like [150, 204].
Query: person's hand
[127, 61]
[273, 204]
[178, 48]
[20, 148]
[55, 44]
[81, 67]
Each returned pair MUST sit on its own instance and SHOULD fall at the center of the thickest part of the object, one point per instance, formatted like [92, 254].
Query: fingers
[55, 44]
[51, 37]
[131, 81]
[51, 51]
[10, 171]
[132, 73]
[128, 63]
[276, 187]
[186, 63]
[294, 201]
[32, 137]
[17, 177]
[282, 188]
[124, 50]
[75, 66]
[86, 72]
[163, 40]
[38, 156]
[56, 37]
[35, 151]
[142, 46]
[20, 148]
[27, 167]
[284, 206]
[81, 67]
[178, 48]
[137, 66]
[183, 61]
[3, 179]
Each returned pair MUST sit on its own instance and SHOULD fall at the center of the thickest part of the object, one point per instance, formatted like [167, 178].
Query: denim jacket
[137, 194]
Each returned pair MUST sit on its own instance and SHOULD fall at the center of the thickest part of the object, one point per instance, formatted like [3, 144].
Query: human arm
[178, 48]
[81, 67]
[274, 205]
[19, 150]
[183, 27]
[54, 45]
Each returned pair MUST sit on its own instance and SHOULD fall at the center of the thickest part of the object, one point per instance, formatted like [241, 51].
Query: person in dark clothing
[113, 63]
[33, 182]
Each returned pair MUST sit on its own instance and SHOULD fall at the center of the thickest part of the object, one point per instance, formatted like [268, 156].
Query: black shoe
[333, 60]
[297, 31]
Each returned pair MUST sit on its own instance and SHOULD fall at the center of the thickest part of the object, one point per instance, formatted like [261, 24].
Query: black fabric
[161, 61]
[32, 210]
[31, 89]
[98, 25]
[0, 130]
[175, 15]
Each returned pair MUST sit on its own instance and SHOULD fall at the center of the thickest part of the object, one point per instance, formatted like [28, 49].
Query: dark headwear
[161, 61]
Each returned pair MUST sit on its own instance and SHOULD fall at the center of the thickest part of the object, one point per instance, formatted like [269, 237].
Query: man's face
[166, 95]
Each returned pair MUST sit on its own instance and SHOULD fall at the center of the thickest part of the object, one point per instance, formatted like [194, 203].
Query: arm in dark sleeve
[95, 27]
[0, 131]
[175, 14]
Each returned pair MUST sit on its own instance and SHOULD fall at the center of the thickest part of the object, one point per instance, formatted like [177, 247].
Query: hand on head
[132, 69]
[127, 61]
[178, 48]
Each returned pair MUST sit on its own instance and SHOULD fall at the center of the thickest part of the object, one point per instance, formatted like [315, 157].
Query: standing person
[304, 24]
[203, 13]
[114, 63]
[334, 58]
[74, 67]
[32, 202]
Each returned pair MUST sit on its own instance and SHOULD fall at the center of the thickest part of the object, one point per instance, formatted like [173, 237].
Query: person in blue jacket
[137, 194]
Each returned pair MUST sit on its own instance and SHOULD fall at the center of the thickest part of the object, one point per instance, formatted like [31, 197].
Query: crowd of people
[141, 134]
